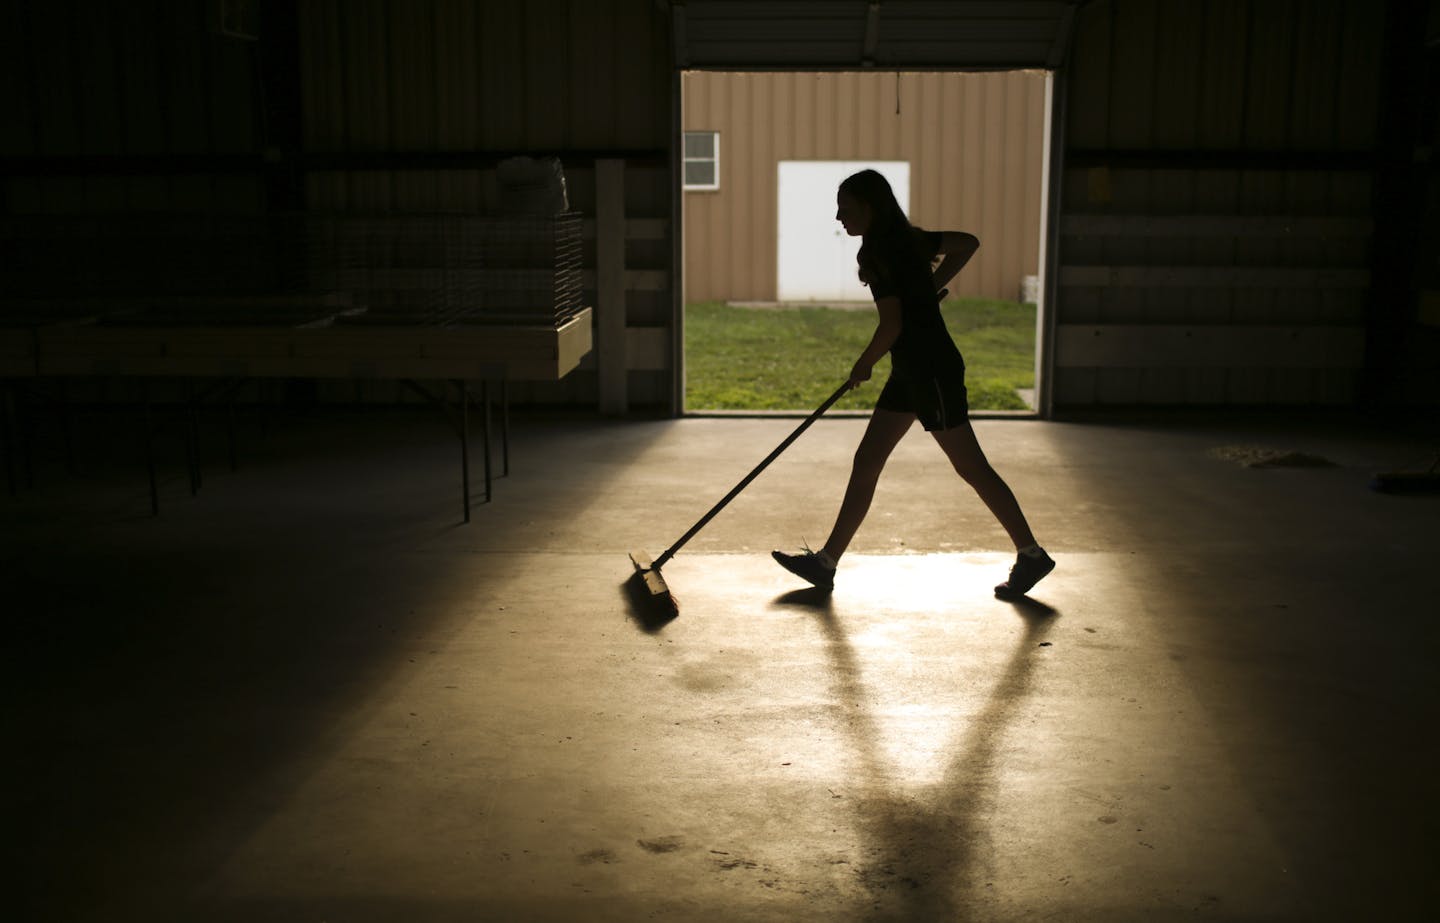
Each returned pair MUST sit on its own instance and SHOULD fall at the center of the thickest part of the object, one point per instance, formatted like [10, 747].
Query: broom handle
[670, 552]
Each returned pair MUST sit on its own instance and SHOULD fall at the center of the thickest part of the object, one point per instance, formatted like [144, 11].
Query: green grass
[793, 358]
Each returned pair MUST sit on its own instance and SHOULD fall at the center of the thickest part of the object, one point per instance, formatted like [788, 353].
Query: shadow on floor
[919, 862]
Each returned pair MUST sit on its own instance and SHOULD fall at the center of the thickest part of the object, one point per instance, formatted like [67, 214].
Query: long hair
[889, 229]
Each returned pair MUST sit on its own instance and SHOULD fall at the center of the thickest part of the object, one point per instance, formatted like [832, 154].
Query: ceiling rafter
[859, 34]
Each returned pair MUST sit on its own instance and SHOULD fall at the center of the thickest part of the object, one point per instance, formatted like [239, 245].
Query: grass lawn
[793, 358]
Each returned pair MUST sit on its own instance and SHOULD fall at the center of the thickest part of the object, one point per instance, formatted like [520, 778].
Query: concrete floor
[309, 694]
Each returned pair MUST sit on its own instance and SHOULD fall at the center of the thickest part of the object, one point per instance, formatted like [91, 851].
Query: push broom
[649, 571]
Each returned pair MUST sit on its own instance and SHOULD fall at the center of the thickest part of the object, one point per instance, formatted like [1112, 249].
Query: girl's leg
[963, 450]
[881, 436]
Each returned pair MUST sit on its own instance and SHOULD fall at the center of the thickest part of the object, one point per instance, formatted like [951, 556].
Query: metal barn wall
[1216, 220]
[436, 91]
[975, 143]
[119, 109]
[115, 107]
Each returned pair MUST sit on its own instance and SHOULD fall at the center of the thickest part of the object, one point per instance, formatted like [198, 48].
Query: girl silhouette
[927, 379]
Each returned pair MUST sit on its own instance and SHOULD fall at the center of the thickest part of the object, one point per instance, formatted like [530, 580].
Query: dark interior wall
[576, 78]
[123, 105]
[130, 110]
[136, 106]
[1318, 114]
[417, 100]
[1404, 347]
[1230, 172]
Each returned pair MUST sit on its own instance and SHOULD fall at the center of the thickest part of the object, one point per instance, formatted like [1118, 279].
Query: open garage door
[846, 34]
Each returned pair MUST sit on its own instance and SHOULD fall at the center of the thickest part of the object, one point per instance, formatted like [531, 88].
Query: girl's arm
[886, 332]
[957, 247]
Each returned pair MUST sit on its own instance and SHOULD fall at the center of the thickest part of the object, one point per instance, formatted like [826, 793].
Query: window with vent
[702, 160]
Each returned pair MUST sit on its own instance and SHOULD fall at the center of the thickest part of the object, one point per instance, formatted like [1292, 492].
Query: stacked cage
[448, 269]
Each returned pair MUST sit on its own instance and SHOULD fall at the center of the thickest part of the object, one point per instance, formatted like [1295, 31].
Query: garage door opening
[774, 312]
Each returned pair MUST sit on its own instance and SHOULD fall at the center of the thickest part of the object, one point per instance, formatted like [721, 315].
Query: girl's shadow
[811, 598]
[921, 848]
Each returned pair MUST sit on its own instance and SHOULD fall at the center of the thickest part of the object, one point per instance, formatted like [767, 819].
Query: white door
[816, 260]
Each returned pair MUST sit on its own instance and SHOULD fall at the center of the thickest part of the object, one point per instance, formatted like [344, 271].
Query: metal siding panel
[501, 59]
[413, 41]
[367, 89]
[231, 105]
[455, 77]
[143, 79]
[924, 125]
[1358, 74]
[140, 74]
[1118, 386]
[323, 95]
[1132, 75]
[1076, 387]
[841, 136]
[1178, 70]
[1162, 386]
[365, 65]
[763, 177]
[718, 206]
[760, 211]
[1012, 180]
[994, 187]
[186, 103]
[738, 228]
[1221, 117]
[543, 89]
[17, 85]
[593, 100]
[1034, 193]
[807, 116]
[922, 133]
[1316, 77]
[875, 124]
[642, 79]
[972, 187]
[96, 68]
[57, 123]
[1270, 71]
[1247, 386]
[459, 102]
[321, 75]
[1088, 106]
[694, 115]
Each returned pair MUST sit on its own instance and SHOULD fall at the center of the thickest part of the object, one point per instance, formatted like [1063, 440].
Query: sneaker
[807, 566]
[1028, 571]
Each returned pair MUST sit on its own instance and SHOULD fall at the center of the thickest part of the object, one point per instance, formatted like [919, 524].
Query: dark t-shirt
[924, 347]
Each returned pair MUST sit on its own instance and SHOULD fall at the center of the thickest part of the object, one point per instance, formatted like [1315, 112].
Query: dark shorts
[938, 402]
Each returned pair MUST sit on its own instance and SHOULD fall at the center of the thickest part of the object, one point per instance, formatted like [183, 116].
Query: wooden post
[610, 284]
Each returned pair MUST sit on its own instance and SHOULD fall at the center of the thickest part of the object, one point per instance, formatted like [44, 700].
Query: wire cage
[450, 269]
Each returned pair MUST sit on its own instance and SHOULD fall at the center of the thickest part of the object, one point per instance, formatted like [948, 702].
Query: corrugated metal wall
[974, 142]
[1219, 167]
[84, 83]
[1215, 234]
[455, 75]
[351, 106]
[581, 79]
